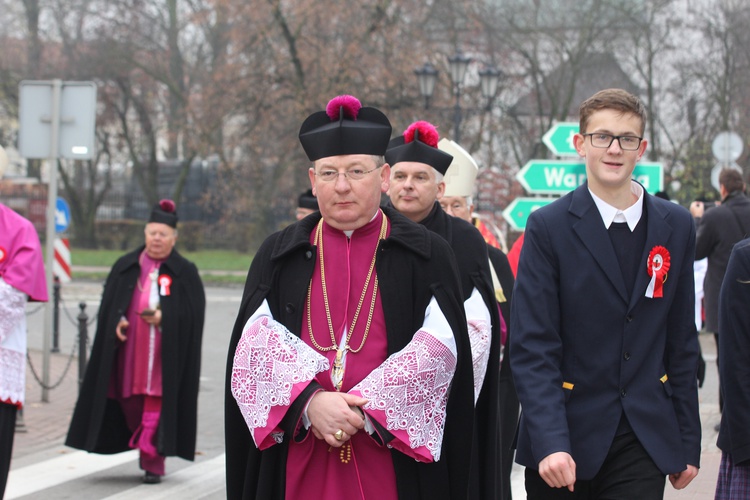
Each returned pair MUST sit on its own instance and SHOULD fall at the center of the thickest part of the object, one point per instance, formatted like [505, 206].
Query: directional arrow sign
[559, 139]
[62, 215]
[558, 177]
[517, 213]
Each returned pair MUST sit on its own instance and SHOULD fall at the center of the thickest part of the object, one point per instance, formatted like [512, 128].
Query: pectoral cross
[337, 375]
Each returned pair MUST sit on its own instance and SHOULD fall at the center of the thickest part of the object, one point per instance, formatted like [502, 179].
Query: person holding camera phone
[141, 385]
[717, 231]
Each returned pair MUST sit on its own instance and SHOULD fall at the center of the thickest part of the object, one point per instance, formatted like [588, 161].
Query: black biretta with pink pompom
[419, 144]
[165, 213]
[345, 128]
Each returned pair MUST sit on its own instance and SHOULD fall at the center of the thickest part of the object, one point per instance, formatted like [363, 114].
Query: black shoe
[151, 478]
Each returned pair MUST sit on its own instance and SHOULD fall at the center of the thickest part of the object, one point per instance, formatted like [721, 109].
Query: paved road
[44, 468]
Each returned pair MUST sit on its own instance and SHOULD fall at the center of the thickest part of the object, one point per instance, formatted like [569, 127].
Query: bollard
[20, 424]
[82, 339]
[56, 316]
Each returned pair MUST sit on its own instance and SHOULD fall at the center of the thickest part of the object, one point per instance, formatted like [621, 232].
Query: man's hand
[330, 412]
[153, 319]
[558, 470]
[122, 325]
[682, 479]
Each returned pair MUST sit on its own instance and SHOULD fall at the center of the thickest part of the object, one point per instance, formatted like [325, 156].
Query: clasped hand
[330, 412]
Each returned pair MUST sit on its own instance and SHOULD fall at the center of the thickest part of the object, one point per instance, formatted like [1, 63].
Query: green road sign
[559, 139]
[517, 213]
[559, 177]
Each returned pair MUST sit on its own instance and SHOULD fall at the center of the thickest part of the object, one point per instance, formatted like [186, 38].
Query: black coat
[473, 263]
[718, 230]
[508, 399]
[734, 360]
[98, 423]
[412, 265]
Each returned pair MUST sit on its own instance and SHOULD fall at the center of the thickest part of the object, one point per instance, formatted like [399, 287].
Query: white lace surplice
[407, 393]
[479, 323]
[12, 344]
[271, 368]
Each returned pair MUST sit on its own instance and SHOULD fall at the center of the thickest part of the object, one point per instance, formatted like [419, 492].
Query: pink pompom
[428, 134]
[167, 205]
[350, 104]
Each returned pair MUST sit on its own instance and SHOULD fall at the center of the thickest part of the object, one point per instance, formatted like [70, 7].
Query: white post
[50, 247]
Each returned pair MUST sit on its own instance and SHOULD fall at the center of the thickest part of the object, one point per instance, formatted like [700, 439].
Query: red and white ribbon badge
[657, 267]
[3, 254]
[165, 282]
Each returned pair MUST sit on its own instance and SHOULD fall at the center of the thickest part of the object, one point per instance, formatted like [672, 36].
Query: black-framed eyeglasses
[627, 142]
[355, 174]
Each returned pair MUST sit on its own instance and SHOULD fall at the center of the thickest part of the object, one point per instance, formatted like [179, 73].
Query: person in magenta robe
[140, 389]
[22, 279]
[349, 372]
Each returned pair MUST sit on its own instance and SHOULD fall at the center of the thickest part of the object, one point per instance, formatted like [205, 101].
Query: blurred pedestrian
[307, 203]
[734, 324]
[22, 279]
[604, 351]
[349, 370]
[515, 253]
[718, 229]
[457, 200]
[140, 389]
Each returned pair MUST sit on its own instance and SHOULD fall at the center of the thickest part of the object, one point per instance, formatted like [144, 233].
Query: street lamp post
[427, 76]
[458, 64]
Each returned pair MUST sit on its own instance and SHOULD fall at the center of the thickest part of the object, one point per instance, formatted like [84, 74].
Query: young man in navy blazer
[604, 347]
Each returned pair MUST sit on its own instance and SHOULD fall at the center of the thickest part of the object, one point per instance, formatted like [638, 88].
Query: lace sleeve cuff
[408, 393]
[271, 368]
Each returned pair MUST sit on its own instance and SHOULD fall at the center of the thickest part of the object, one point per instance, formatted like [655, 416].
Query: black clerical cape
[98, 423]
[413, 265]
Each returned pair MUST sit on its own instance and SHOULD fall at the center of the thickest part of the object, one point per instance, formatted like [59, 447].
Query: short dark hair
[616, 99]
[731, 179]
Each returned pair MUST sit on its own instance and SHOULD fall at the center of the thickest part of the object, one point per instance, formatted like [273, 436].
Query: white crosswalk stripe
[198, 481]
[202, 480]
[58, 470]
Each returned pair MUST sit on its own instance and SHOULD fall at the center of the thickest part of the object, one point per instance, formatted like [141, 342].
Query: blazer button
[308, 255]
[626, 356]
[629, 318]
[623, 393]
[289, 308]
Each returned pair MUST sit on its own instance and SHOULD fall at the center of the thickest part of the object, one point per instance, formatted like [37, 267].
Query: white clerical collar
[350, 232]
[611, 214]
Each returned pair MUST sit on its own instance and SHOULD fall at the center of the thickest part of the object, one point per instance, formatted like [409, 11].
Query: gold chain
[319, 244]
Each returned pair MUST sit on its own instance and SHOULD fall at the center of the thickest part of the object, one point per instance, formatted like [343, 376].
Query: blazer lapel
[659, 232]
[590, 229]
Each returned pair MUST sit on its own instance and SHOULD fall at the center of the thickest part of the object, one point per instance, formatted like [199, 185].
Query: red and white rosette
[165, 282]
[657, 267]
